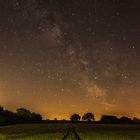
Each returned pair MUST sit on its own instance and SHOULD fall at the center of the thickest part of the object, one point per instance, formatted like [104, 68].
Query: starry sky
[59, 57]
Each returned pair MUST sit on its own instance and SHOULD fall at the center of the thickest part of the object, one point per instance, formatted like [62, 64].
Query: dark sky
[59, 57]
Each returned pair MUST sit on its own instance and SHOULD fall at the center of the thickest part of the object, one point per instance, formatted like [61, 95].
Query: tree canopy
[88, 117]
[75, 117]
[21, 115]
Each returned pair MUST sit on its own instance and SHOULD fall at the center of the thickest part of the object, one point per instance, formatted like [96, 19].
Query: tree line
[106, 119]
[23, 115]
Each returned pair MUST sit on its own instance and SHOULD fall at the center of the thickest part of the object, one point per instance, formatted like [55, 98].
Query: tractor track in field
[66, 135]
[75, 133]
[71, 129]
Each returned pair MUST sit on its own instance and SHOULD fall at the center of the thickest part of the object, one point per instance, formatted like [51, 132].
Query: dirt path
[71, 134]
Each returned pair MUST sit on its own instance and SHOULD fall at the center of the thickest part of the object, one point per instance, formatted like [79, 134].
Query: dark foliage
[22, 115]
[1, 108]
[113, 119]
[36, 117]
[109, 119]
[75, 117]
[136, 120]
[88, 117]
[125, 120]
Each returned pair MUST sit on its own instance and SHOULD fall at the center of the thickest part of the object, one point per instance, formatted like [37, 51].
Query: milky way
[59, 57]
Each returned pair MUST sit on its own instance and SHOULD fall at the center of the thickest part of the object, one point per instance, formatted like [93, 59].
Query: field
[64, 131]
[109, 132]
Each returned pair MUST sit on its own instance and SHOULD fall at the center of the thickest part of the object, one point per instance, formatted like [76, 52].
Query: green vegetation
[108, 132]
[33, 132]
[56, 131]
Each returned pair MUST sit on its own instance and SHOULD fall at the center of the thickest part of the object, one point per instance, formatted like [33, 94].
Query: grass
[56, 131]
[49, 136]
[71, 136]
[108, 132]
[33, 132]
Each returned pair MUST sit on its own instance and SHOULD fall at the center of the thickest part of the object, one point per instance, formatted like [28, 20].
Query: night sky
[59, 57]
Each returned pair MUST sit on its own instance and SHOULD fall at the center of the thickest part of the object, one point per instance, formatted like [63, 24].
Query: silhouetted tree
[2, 120]
[109, 119]
[10, 117]
[2, 116]
[55, 119]
[1, 109]
[125, 120]
[136, 120]
[75, 117]
[24, 115]
[7, 117]
[23, 112]
[88, 117]
[36, 117]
